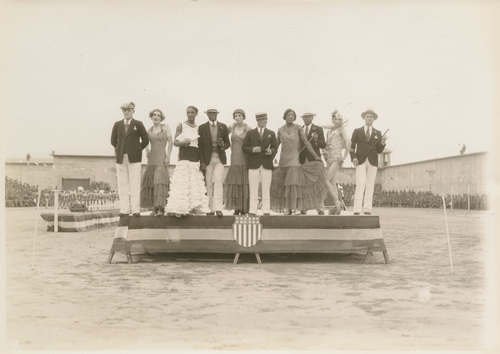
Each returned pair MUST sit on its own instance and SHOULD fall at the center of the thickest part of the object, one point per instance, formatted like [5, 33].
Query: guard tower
[384, 158]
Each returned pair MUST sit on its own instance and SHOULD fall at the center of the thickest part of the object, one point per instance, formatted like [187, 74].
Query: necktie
[126, 127]
[367, 133]
[307, 130]
[261, 131]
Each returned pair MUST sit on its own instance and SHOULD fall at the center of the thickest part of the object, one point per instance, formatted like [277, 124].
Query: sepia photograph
[259, 176]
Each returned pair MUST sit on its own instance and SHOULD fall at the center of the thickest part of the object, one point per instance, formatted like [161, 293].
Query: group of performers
[299, 183]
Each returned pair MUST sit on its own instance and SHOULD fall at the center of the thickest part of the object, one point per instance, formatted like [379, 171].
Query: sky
[429, 69]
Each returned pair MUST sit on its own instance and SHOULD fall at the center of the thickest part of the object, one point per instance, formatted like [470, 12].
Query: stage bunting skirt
[81, 221]
[240, 234]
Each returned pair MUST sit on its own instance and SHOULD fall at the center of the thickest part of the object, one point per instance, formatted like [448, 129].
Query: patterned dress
[155, 181]
[295, 186]
[187, 186]
[236, 192]
[334, 145]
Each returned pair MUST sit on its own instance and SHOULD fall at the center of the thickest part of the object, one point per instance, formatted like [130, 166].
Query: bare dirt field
[73, 300]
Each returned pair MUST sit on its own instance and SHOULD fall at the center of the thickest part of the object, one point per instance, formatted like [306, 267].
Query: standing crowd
[197, 186]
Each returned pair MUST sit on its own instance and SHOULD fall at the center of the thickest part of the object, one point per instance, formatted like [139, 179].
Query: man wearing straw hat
[316, 137]
[260, 146]
[129, 138]
[213, 142]
[366, 143]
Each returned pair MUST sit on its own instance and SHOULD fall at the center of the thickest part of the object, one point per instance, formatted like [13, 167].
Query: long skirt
[154, 187]
[301, 187]
[236, 192]
[187, 190]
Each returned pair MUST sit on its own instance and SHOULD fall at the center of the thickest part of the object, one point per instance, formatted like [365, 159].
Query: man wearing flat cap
[366, 143]
[213, 142]
[260, 146]
[129, 138]
[316, 137]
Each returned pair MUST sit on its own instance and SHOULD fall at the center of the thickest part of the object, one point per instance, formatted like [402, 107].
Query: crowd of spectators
[19, 194]
[413, 199]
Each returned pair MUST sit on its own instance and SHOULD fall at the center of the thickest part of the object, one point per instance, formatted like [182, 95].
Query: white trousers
[214, 181]
[129, 185]
[365, 182]
[263, 176]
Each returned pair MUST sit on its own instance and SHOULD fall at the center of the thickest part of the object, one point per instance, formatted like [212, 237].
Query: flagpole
[447, 233]
[36, 227]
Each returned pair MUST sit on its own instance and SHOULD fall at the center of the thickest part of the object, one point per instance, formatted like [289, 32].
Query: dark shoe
[251, 214]
[237, 212]
[368, 213]
[137, 214]
[122, 214]
[266, 214]
[303, 212]
[219, 213]
[356, 213]
[211, 213]
[321, 212]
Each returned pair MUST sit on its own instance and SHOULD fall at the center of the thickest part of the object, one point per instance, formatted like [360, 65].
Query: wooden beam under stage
[241, 234]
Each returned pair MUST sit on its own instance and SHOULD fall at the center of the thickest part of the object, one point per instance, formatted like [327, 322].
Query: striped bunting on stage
[247, 230]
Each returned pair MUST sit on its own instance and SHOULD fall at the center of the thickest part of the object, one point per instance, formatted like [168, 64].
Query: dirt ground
[73, 300]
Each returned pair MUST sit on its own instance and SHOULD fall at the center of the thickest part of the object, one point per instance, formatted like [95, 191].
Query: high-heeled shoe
[338, 209]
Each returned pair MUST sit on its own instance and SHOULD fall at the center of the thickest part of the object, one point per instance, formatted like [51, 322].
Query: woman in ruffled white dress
[187, 185]
[337, 148]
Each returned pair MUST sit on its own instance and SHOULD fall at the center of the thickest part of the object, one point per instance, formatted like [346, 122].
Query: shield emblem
[247, 230]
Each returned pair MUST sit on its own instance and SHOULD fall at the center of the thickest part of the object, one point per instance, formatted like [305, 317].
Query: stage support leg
[258, 258]
[386, 257]
[366, 256]
[129, 257]
[236, 257]
[110, 257]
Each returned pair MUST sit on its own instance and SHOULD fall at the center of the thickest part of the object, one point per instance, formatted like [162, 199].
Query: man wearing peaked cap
[316, 137]
[213, 142]
[366, 143]
[129, 138]
[260, 146]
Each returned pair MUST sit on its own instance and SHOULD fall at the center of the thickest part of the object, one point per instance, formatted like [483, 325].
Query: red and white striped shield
[247, 230]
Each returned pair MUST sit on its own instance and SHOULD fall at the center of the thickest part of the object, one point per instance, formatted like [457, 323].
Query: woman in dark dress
[295, 186]
[155, 181]
[236, 193]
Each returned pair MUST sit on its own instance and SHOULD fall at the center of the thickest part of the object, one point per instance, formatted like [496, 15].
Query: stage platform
[81, 221]
[242, 234]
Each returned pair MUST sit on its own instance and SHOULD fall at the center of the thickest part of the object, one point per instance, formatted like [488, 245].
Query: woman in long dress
[295, 186]
[155, 181]
[236, 192]
[336, 151]
[187, 186]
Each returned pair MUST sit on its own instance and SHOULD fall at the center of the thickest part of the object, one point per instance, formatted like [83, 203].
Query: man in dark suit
[213, 142]
[366, 143]
[260, 146]
[316, 137]
[129, 138]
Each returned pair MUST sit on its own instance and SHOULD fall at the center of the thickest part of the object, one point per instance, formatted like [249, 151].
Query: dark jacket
[131, 143]
[205, 142]
[257, 159]
[360, 146]
[317, 144]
